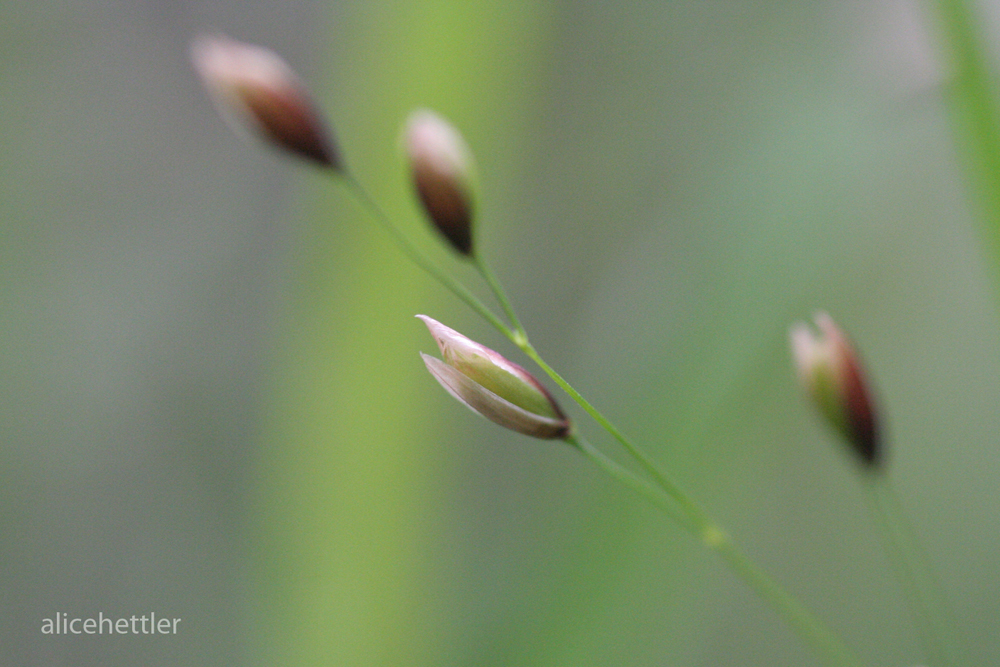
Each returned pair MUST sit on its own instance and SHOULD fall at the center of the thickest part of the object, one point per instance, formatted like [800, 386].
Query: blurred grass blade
[975, 112]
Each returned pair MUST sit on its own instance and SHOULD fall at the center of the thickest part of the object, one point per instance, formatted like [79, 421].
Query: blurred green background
[213, 406]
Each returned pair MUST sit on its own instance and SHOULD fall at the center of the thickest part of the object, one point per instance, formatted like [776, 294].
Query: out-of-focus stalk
[971, 95]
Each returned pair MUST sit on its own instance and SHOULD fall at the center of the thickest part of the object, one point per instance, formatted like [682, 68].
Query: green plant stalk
[640, 456]
[689, 515]
[663, 492]
[518, 336]
[920, 583]
[972, 99]
[418, 257]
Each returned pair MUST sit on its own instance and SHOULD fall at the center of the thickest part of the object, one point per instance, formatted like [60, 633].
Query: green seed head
[493, 386]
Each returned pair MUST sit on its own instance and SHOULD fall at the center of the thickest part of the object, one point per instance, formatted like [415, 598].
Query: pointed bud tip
[441, 166]
[254, 89]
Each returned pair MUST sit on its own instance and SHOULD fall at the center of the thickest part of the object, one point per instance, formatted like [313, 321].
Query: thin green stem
[690, 516]
[920, 583]
[647, 464]
[801, 620]
[520, 336]
[646, 489]
[418, 257]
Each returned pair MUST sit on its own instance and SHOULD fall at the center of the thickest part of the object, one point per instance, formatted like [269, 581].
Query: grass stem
[696, 521]
[418, 257]
[912, 567]
[971, 96]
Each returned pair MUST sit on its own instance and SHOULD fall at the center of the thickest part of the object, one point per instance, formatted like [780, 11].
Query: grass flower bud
[493, 386]
[441, 167]
[253, 88]
[831, 373]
